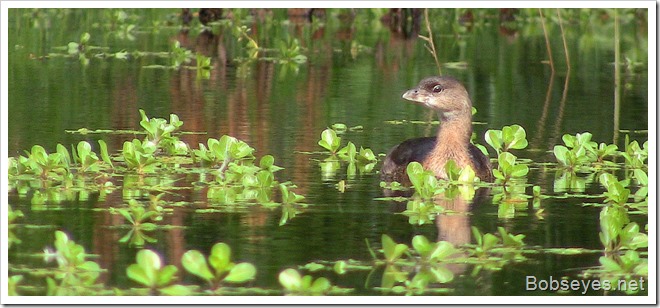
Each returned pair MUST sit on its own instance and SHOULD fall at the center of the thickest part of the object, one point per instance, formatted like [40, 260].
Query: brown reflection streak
[176, 236]
[187, 91]
[454, 228]
[540, 125]
[263, 89]
[106, 242]
[124, 109]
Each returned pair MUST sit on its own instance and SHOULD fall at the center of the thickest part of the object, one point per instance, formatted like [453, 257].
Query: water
[282, 113]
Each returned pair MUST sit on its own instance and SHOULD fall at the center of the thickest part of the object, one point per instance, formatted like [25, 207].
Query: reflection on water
[358, 66]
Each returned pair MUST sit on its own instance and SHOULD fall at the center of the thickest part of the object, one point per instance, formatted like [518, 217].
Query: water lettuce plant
[140, 156]
[506, 247]
[224, 151]
[159, 133]
[43, 164]
[179, 55]
[141, 221]
[617, 232]
[508, 168]
[75, 275]
[362, 160]
[296, 284]
[149, 272]
[12, 215]
[221, 271]
[509, 137]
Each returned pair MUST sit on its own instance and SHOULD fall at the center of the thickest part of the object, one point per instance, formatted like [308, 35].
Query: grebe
[451, 101]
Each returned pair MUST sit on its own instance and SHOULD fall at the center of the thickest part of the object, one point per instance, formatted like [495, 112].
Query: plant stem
[563, 38]
[547, 43]
[431, 46]
[617, 76]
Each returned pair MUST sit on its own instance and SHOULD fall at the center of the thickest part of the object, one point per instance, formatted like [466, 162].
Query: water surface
[356, 71]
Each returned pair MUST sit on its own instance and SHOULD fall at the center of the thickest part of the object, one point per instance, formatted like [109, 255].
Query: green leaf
[494, 139]
[561, 153]
[241, 272]
[66, 159]
[139, 275]
[609, 264]
[391, 249]
[266, 162]
[414, 171]
[478, 237]
[84, 148]
[240, 150]
[340, 267]
[290, 279]
[150, 263]
[514, 137]
[329, 140]
[641, 177]
[220, 257]
[12, 283]
[519, 171]
[442, 274]
[195, 263]
[84, 38]
[176, 290]
[489, 241]
[73, 48]
[104, 153]
[422, 245]
[320, 286]
[442, 250]
[166, 275]
[339, 127]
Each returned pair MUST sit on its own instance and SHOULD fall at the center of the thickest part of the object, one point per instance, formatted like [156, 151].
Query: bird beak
[414, 95]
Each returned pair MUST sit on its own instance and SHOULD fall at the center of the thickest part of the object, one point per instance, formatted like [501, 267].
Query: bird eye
[437, 89]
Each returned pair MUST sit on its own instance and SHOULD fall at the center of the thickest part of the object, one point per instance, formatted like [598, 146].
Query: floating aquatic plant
[510, 137]
[221, 271]
[296, 284]
[159, 133]
[508, 168]
[141, 220]
[140, 156]
[75, 275]
[363, 160]
[12, 215]
[149, 272]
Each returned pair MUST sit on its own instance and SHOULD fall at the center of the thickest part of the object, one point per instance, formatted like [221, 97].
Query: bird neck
[455, 130]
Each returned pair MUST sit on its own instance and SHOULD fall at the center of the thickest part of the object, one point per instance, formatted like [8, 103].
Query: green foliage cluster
[430, 260]
[142, 220]
[12, 216]
[74, 275]
[363, 160]
[419, 268]
[502, 141]
[239, 179]
[51, 178]
[149, 272]
[296, 284]
[620, 237]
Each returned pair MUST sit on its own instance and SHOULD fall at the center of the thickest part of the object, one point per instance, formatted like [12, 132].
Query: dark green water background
[283, 113]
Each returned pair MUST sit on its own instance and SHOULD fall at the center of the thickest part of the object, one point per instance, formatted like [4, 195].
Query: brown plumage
[451, 101]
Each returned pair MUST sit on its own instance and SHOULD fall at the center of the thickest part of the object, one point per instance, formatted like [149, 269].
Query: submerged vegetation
[152, 181]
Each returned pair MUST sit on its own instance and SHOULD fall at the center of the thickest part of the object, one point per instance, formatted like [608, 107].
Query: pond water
[356, 69]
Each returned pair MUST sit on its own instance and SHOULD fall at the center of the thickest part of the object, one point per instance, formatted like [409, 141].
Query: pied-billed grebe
[451, 101]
